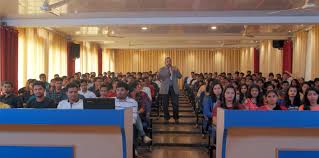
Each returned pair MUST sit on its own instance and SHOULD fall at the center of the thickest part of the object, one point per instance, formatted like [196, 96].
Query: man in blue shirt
[57, 94]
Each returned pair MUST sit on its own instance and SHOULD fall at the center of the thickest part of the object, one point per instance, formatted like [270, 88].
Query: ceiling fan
[309, 5]
[246, 34]
[49, 8]
[111, 33]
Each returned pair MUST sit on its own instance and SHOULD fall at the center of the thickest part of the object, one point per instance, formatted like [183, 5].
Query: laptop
[99, 103]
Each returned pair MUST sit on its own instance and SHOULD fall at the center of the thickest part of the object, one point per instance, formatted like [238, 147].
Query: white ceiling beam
[170, 37]
[123, 46]
[68, 22]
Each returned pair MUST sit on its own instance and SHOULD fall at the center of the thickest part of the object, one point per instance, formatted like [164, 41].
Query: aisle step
[180, 139]
[176, 132]
[179, 124]
[180, 145]
[186, 116]
[173, 127]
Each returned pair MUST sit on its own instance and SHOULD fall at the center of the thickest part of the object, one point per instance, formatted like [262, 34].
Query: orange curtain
[187, 60]
[299, 54]
[108, 60]
[247, 60]
[270, 58]
[40, 51]
[88, 61]
[314, 50]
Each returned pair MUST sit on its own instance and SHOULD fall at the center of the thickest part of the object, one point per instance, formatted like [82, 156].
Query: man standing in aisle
[169, 88]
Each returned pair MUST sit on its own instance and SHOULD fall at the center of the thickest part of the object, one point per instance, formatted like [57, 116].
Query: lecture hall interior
[159, 78]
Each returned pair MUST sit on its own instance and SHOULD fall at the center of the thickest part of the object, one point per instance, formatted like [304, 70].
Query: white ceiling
[13, 7]
[133, 36]
[170, 23]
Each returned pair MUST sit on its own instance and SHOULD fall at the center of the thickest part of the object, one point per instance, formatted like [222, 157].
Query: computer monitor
[99, 103]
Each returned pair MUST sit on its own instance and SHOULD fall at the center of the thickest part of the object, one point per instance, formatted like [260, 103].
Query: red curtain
[256, 60]
[70, 61]
[287, 56]
[9, 55]
[100, 61]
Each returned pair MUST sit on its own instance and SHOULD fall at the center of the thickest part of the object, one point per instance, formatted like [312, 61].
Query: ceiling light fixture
[213, 27]
[105, 32]
[108, 42]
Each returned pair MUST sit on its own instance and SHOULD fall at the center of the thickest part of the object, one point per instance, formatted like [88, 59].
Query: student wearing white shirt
[122, 101]
[190, 78]
[146, 89]
[73, 101]
[84, 90]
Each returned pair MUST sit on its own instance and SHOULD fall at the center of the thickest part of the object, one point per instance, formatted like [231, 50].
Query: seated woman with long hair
[271, 102]
[254, 98]
[243, 93]
[304, 88]
[213, 95]
[228, 101]
[26, 92]
[311, 100]
[292, 98]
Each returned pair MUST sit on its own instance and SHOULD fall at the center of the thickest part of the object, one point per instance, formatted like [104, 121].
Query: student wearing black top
[292, 98]
[40, 101]
[96, 87]
[9, 97]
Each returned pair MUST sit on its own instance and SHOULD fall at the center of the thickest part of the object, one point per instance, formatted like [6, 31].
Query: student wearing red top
[254, 98]
[228, 101]
[271, 102]
[311, 101]
[112, 90]
[243, 93]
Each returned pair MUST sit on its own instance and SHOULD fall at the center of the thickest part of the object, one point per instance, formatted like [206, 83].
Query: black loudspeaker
[75, 50]
[278, 44]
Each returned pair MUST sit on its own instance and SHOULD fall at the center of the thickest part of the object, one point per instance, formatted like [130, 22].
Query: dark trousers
[174, 99]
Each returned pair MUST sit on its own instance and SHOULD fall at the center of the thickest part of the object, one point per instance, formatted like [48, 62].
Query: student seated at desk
[122, 101]
[40, 101]
[84, 90]
[57, 94]
[73, 101]
[9, 97]
[26, 92]
[271, 102]
[111, 91]
[254, 98]
[213, 96]
[104, 91]
[311, 100]
[292, 98]
[228, 102]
